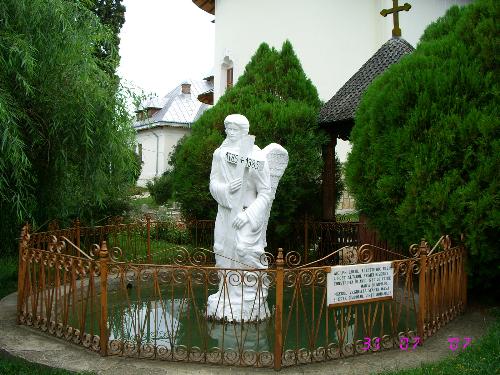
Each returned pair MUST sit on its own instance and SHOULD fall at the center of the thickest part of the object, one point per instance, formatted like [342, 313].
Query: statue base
[220, 309]
[238, 304]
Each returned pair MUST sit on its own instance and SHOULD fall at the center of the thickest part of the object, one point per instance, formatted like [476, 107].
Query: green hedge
[425, 158]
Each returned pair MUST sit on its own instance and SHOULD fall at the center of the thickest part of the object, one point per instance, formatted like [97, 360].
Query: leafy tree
[112, 15]
[425, 158]
[66, 144]
[282, 105]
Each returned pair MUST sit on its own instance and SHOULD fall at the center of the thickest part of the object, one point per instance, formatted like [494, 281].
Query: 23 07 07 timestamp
[406, 344]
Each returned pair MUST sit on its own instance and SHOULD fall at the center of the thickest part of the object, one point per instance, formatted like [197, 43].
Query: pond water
[172, 317]
[178, 318]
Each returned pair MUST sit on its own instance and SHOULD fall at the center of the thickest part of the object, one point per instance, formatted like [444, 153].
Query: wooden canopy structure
[337, 115]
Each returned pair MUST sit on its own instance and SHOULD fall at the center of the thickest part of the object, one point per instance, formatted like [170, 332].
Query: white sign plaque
[358, 283]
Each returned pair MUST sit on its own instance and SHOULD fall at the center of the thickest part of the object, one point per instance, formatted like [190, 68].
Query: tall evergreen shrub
[426, 146]
[281, 104]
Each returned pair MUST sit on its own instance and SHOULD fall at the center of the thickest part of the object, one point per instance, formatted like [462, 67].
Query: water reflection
[238, 336]
[172, 322]
[158, 322]
[181, 321]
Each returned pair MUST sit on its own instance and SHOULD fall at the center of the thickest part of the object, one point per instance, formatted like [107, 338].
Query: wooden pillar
[463, 267]
[103, 322]
[306, 238]
[328, 185]
[278, 329]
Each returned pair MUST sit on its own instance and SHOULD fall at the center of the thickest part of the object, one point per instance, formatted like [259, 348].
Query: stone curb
[37, 347]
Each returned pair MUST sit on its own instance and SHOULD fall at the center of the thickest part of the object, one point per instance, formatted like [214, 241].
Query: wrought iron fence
[129, 290]
[150, 241]
[58, 292]
[443, 284]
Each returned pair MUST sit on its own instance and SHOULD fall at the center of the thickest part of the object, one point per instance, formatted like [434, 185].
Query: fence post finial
[280, 262]
[103, 252]
[25, 234]
[423, 248]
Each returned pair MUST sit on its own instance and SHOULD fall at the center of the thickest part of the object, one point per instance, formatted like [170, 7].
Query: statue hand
[234, 185]
[240, 220]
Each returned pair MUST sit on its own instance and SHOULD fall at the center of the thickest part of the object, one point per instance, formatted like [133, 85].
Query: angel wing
[277, 159]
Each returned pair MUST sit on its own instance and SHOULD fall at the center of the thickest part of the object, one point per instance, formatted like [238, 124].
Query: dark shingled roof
[344, 103]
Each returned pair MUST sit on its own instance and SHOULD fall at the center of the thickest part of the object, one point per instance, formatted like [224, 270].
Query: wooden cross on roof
[396, 31]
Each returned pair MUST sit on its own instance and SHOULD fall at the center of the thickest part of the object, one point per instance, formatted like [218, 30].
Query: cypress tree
[281, 104]
[425, 158]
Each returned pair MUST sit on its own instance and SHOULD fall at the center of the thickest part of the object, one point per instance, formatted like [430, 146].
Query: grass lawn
[134, 244]
[483, 358]
[17, 366]
[137, 203]
[349, 217]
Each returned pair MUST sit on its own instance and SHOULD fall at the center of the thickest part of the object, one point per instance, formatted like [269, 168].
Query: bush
[161, 188]
[8, 276]
[282, 106]
[425, 158]
[173, 232]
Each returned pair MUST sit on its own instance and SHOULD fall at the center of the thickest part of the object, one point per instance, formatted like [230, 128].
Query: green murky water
[172, 317]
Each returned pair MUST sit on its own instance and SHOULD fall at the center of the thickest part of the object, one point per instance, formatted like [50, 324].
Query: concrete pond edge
[40, 348]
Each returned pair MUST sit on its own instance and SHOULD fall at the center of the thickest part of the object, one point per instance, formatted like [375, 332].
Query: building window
[229, 78]
[226, 74]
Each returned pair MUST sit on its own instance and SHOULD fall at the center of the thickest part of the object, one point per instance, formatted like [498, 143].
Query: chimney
[186, 88]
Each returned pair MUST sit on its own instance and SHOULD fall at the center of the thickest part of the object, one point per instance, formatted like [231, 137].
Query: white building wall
[421, 15]
[311, 26]
[332, 38]
[157, 143]
[174, 135]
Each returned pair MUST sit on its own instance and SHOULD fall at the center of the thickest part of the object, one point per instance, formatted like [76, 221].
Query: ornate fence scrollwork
[293, 259]
[365, 254]
[156, 294]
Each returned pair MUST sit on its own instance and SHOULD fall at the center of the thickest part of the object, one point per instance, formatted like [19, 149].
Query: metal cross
[396, 31]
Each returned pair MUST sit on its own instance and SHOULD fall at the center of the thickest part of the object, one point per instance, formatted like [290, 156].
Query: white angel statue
[243, 181]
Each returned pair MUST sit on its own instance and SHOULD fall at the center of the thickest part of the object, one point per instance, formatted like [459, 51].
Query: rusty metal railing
[130, 290]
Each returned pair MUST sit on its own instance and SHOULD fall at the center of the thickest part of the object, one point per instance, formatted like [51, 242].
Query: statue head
[236, 126]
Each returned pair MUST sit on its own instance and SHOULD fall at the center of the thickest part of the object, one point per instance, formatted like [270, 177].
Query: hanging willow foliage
[66, 143]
